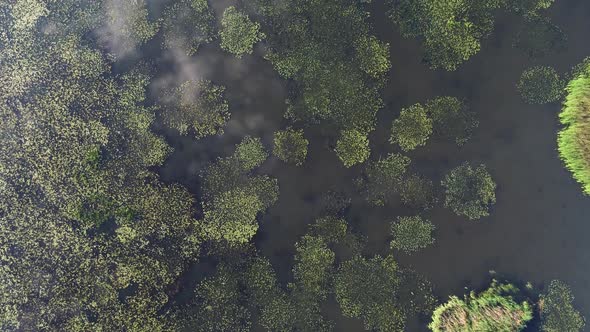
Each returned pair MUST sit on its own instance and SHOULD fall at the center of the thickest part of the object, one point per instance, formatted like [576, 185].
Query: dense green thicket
[238, 33]
[495, 309]
[90, 238]
[336, 64]
[557, 310]
[540, 85]
[574, 138]
[452, 30]
[469, 191]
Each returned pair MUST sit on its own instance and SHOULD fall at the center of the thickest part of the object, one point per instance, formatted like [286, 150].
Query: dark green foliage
[539, 37]
[327, 49]
[451, 119]
[469, 191]
[290, 146]
[451, 31]
[330, 229]
[557, 311]
[381, 178]
[418, 192]
[198, 107]
[352, 148]
[540, 85]
[187, 24]
[238, 32]
[411, 234]
[574, 138]
[495, 309]
[412, 128]
[367, 288]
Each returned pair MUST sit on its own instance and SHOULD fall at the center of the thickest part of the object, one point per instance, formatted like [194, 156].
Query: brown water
[539, 227]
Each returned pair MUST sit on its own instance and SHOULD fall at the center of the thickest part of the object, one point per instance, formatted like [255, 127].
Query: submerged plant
[540, 85]
[469, 191]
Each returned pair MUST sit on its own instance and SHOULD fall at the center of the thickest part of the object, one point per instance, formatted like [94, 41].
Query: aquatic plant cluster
[93, 239]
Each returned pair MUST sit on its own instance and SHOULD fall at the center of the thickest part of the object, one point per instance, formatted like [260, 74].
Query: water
[538, 228]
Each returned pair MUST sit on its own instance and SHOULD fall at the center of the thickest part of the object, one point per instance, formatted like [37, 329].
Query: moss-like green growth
[573, 140]
[411, 234]
[290, 146]
[353, 147]
[495, 309]
[540, 85]
[418, 192]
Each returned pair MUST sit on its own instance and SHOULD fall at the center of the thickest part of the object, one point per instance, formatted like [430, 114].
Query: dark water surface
[539, 227]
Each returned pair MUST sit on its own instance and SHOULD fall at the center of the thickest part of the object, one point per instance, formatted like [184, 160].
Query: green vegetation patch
[352, 147]
[573, 140]
[198, 107]
[495, 309]
[557, 310]
[239, 33]
[411, 234]
[540, 85]
[469, 191]
[412, 128]
[290, 146]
